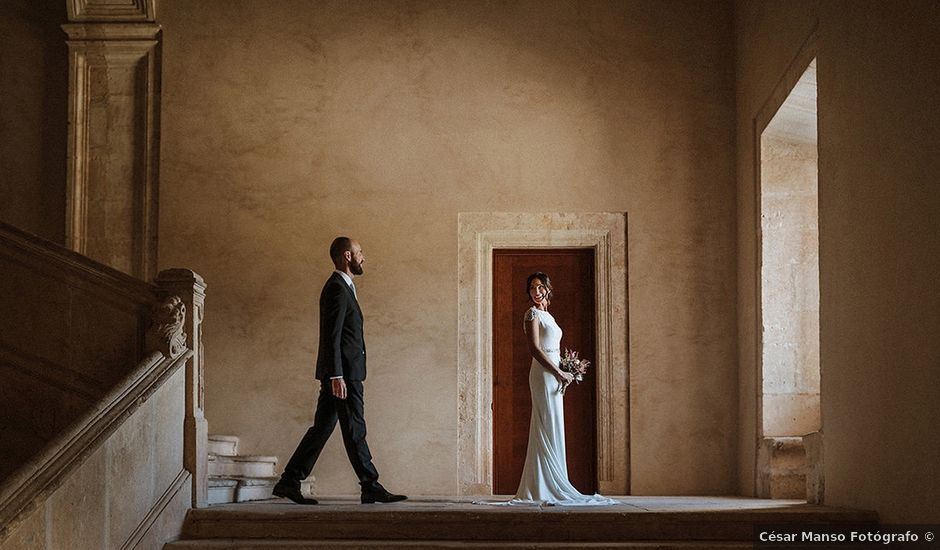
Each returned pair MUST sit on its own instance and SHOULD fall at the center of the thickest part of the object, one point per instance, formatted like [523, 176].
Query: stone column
[114, 98]
[191, 289]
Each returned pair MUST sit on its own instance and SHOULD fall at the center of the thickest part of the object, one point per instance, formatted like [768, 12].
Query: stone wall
[69, 331]
[132, 492]
[790, 287]
[288, 123]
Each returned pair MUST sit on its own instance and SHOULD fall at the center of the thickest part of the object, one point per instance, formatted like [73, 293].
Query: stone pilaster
[114, 98]
[191, 289]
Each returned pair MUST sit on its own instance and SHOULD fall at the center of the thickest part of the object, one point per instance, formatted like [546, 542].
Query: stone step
[255, 489]
[242, 466]
[639, 519]
[248, 544]
[222, 490]
[226, 490]
[226, 445]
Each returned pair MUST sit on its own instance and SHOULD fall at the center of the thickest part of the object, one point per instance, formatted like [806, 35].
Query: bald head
[347, 255]
[338, 247]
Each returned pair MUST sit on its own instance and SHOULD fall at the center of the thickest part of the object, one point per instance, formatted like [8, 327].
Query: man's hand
[339, 388]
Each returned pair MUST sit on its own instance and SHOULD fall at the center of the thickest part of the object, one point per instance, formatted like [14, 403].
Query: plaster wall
[33, 116]
[878, 236]
[287, 123]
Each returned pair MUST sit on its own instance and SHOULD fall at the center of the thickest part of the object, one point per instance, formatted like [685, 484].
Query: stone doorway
[479, 233]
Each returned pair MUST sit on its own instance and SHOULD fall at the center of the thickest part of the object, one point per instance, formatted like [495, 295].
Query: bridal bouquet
[571, 363]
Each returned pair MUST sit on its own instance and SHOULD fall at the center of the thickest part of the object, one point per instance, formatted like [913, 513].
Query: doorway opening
[790, 412]
[573, 307]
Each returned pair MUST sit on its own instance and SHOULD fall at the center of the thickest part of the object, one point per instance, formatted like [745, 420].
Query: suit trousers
[352, 424]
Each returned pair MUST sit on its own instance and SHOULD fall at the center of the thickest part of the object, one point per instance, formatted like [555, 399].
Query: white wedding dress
[545, 475]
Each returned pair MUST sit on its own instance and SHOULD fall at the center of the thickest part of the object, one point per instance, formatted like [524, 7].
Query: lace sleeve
[530, 314]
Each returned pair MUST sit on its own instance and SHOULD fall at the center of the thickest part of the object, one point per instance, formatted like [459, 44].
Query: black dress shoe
[381, 496]
[293, 493]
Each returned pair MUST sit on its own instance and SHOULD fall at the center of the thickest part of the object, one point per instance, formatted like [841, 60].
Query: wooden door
[572, 275]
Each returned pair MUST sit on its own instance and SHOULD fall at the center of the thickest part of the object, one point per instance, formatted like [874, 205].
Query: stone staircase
[662, 523]
[241, 478]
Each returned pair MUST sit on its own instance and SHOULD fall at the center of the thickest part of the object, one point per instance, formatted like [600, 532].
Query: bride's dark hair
[545, 281]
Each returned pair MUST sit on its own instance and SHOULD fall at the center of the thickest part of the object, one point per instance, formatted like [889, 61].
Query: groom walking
[341, 368]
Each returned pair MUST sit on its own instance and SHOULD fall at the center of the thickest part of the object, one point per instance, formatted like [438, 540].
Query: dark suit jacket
[342, 348]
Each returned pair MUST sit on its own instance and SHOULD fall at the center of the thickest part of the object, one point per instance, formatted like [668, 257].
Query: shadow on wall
[34, 116]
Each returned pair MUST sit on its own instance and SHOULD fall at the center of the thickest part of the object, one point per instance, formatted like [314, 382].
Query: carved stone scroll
[166, 331]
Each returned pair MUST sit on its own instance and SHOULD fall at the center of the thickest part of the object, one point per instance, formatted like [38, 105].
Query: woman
[545, 475]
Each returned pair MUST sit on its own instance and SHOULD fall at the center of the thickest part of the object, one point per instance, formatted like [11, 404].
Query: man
[341, 368]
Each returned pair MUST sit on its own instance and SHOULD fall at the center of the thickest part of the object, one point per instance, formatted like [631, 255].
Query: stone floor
[664, 522]
[630, 504]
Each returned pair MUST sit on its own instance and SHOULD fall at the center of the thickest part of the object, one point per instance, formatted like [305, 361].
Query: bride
[545, 475]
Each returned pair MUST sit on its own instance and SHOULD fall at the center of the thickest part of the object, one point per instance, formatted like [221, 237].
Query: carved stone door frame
[478, 234]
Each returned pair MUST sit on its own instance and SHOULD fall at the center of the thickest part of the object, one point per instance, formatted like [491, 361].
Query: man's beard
[356, 269]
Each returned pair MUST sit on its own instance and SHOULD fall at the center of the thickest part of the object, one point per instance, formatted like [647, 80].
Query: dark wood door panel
[572, 275]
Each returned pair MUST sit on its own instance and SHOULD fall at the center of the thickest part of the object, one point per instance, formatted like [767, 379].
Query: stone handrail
[77, 361]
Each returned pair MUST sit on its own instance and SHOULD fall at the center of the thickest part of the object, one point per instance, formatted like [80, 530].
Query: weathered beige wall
[287, 123]
[33, 116]
[789, 286]
[878, 237]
